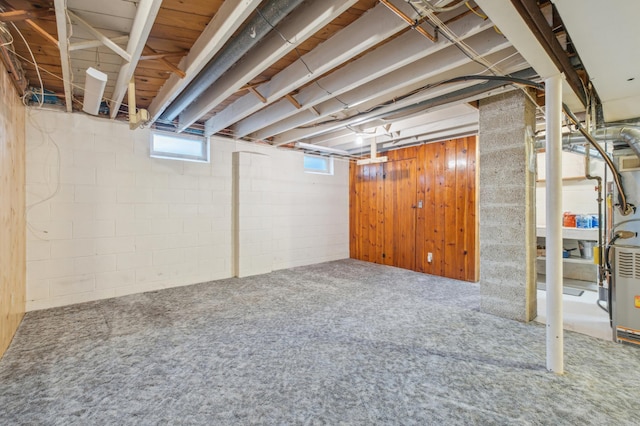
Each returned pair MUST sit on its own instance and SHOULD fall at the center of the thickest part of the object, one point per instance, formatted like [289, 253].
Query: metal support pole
[553, 117]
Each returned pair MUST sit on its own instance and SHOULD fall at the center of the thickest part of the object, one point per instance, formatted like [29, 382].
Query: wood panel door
[400, 209]
[440, 236]
[367, 212]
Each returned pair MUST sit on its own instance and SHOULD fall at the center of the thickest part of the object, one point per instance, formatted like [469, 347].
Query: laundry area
[599, 240]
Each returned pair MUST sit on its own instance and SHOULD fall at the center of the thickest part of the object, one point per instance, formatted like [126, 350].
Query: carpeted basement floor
[342, 342]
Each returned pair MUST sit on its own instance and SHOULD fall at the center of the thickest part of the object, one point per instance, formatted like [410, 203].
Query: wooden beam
[174, 69]
[157, 56]
[408, 20]
[293, 101]
[399, 82]
[21, 15]
[537, 23]
[90, 44]
[369, 30]
[300, 24]
[219, 30]
[140, 29]
[257, 94]
[61, 23]
[393, 55]
[462, 92]
[103, 38]
[42, 32]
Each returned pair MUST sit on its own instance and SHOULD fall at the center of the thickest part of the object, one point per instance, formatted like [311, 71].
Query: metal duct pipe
[625, 207]
[632, 137]
[629, 135]
[254, 30]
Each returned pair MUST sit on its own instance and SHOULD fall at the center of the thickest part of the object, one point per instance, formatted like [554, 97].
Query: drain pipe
[598, 179]
[262, 22]
[587, 174]
[553, 119]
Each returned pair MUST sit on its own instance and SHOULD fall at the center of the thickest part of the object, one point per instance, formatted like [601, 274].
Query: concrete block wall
[253, 228]
[507, 207]
[105, 219]
[578, 196]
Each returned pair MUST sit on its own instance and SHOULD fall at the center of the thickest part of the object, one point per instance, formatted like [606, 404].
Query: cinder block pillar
[252, 216]
[507, 206]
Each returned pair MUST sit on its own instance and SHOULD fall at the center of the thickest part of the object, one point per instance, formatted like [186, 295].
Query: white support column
[61, 23]
[553, 117]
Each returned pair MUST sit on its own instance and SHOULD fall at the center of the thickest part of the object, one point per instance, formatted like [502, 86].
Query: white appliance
[625, 294]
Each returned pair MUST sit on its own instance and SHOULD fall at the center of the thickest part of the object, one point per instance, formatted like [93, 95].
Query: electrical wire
[41, 99]
[475, 12]
[44, 70]
[295, 48]
[36, 231]
[436, 8]
[4, 29]
[438, 25]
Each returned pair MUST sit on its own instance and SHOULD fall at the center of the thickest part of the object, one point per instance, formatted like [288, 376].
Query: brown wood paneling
[366, 212]
[472, 245]
[422, 175]
[462, 207]
[450, 211]
[12, 211]
[441, 175]
[438, 223]
[400, 212]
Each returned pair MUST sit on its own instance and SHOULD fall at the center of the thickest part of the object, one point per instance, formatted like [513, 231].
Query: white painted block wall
[253, 226]
[578, 196]
[105, 219]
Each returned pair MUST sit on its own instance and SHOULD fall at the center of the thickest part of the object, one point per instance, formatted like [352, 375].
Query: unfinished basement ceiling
[328, 72]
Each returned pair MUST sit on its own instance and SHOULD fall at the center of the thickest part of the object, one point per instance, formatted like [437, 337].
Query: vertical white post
[374, 147]
[553, 117]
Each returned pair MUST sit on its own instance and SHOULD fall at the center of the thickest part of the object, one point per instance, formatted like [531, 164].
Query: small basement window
[315, 164]
[174, 146]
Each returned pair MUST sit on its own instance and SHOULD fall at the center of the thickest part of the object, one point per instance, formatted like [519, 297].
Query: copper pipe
[409, 21]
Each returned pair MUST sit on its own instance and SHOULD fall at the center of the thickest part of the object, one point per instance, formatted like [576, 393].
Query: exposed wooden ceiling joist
[369, 30]
[301, 24]
[145, 17]
[440, 93]
[390, 86]
[399, 52]
[61, 22]
[101, 37]
[224, 23]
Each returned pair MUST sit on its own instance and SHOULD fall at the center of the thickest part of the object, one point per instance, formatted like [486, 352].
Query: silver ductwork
[632, 137]
[628, 135]
[266, 18]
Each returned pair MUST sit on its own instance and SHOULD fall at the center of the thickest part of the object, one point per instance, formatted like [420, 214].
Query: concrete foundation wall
[507, 207]
[108, 220]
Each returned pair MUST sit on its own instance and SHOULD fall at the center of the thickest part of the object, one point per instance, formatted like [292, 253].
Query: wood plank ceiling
[354, 68]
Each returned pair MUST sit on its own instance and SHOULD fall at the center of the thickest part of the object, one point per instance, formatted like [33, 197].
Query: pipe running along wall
[623, 205]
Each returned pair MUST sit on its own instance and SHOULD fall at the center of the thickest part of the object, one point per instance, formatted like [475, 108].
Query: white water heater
[625, 296]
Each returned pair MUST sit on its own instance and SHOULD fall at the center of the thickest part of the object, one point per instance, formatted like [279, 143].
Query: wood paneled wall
[12, 211]
[423, 200]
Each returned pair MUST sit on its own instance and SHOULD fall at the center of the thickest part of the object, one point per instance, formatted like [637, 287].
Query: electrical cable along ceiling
[322, 72]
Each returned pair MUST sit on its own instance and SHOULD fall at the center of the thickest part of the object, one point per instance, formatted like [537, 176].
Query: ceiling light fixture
[94, 85]
[320, 148]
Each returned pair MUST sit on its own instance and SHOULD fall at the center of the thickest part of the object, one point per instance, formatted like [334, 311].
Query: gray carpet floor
[342, 342]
